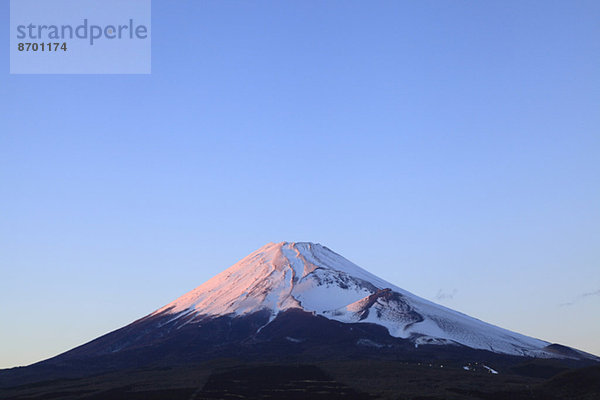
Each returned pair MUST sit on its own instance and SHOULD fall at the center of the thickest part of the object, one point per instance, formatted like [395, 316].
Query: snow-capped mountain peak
[308, 276]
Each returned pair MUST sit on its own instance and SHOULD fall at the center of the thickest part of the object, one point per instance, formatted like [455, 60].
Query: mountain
[312, 278]
[297, 301]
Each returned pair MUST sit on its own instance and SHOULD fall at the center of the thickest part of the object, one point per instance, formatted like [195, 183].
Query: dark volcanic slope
[294, 335]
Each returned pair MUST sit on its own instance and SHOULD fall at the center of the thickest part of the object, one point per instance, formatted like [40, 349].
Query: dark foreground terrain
[350, 379]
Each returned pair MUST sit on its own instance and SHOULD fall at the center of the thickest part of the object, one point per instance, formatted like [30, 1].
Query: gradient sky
[452, 148]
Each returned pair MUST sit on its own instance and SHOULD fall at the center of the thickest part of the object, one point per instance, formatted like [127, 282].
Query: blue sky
[448, 147]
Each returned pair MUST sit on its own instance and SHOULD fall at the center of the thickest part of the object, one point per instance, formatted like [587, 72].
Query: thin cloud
[596, 293]
[441, 295]
[579, 298]
[567, 304]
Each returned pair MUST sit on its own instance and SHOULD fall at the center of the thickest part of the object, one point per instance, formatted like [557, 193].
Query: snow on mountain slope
[309, 276]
